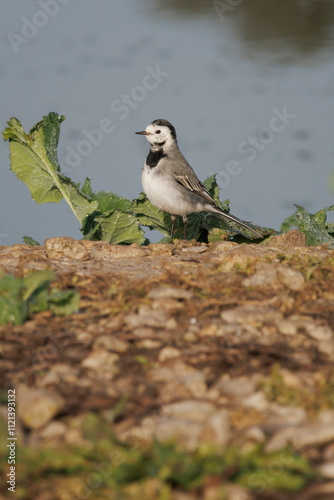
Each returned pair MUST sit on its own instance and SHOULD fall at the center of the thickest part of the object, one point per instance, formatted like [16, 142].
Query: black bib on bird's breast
[154, 157]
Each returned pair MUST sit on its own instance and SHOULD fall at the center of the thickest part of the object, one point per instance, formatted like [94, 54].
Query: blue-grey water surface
[249, 86]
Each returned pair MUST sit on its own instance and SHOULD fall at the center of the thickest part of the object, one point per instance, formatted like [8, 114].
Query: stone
[148, 344]
[318, 332]
[221, 246]
[292, 238]
[36, 407]
[199, 249]
[168, 352]
[287, 327]
[54, 430]
[217, 430]
[168, 292]
[326, 417]
[103, 250]
[60, 372]
[242, 256]
[256, 401]
[238, 387]
[185, 432]
[279, 416]
[326, 469]
[165, 249]
[275, 276]
[235, 492]
[193, 379]
[102, 362]
[149, 318]
[251, 315]
[58, 248]
[300, 437]
[111, 343]
[196, 411]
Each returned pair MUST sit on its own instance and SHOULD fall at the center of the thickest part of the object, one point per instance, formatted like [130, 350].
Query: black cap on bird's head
[159, 123]
[165, 123]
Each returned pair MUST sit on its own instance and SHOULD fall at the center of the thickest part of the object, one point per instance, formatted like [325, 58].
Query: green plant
[20, 297]
[103, 215]
[314, 226]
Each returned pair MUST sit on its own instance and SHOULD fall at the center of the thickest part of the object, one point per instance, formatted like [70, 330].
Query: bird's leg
[173, 224]
[185, 222]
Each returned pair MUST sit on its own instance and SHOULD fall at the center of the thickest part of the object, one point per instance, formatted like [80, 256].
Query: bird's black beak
[142, 133]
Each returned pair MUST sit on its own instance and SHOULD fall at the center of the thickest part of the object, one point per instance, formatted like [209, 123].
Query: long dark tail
[238, 221]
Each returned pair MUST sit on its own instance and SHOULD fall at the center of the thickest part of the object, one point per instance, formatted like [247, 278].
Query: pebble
[253, 315]
[194, 249]
[168, 292]
[300, 437]
[103, 250]
[287, 327]
[238, 387]
[148, 344]
[65, 246]
[327, 469]
[275, 275]
[168, 352]
[242, 256]
[193, 379]
[36, 407]
[293, 238]
[111, 343]
[217, 430]
[54, 430]
[197, 411]
[185, 432]
[102, 362]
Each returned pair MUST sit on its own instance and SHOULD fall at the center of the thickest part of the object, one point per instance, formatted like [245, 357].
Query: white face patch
[159, 135]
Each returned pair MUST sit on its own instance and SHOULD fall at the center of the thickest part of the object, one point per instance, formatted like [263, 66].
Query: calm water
[249, 88]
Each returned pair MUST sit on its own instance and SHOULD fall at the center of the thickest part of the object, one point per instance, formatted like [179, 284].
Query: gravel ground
[210, 345]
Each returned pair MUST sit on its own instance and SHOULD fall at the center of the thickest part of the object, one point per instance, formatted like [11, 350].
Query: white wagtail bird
[169, 181]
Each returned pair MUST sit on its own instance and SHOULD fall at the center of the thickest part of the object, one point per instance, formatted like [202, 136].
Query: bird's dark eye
[158, 131]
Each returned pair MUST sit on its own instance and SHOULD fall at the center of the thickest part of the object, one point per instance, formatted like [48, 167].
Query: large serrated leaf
[119, 227]
[312, 225]
[150, 216]
[34, 160]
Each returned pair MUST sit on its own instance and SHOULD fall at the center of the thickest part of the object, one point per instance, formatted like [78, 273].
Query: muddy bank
[220, 345]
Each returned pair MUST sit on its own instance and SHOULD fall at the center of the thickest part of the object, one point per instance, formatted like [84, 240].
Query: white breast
[164, 193]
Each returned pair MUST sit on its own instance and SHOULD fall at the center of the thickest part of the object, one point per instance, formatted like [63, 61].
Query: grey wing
[195, 186]
[185, 175]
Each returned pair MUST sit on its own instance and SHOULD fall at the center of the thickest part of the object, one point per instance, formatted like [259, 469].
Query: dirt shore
[223, 346]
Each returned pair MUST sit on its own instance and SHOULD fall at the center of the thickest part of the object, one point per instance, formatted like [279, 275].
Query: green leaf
[12, 308]
[30, 241]
[211, 185]
[109, 201]
[20, 297]
[87, 187]
[150, 216]
[284, 480]
[119, 227]
[36, 280]
[64, 302]
[314, 226]
[289, 222]
[34, 160]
